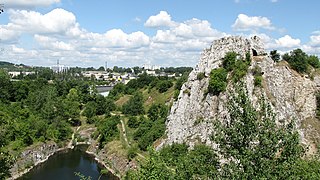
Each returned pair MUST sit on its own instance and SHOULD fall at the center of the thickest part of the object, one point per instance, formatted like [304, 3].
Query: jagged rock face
[291, 95]
[33, 156]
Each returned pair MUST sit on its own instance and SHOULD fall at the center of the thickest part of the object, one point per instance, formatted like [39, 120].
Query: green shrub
[132, 152]
[134, 106]
[240, 70]
[314, 61]
[229, 61]
[133, 122]
[256, 71]
[108, 129]
[157, 111]
[187, 91]
[258, 81]
[156, 131]
[275, 56]
[176, 94]
[200, 76]
[218, 81]
[164, 85]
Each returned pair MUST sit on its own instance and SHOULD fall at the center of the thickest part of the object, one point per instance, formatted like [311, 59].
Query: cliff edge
[291, 95]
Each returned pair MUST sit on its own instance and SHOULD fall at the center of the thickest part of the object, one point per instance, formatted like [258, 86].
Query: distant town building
[17, 73]
[152, 73]
[150, 67]
[59, 68]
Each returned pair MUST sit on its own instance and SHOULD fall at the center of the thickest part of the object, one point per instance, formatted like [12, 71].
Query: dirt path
[124, 133]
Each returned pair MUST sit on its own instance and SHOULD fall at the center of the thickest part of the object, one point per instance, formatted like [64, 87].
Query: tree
[297, 60]
[5, 164]
[108, 129]
[90, 109]
[5, 85]
[134, 106]
[252, 142]
[101, 68]
[314, 61]
[275, 56]
[102, 105]
[157, 111]
[164, 85]
[133, 122]
[71, 107]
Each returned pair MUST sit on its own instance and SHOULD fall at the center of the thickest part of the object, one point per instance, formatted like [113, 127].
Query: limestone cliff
[291, 95]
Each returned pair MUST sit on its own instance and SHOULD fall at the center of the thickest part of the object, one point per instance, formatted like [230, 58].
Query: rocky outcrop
[291, 95]
[33, 156]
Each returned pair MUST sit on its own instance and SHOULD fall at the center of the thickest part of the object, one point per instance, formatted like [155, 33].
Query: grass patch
[116, 147]
[122, 100]
[153, 96]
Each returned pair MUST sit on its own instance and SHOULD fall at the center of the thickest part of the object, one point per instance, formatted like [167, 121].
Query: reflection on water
[63, 165]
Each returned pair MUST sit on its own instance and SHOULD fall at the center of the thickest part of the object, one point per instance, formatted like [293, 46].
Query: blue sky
[135, 32]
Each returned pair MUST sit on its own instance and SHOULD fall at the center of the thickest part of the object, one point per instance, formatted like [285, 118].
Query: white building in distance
[59, 68]
[150, 67]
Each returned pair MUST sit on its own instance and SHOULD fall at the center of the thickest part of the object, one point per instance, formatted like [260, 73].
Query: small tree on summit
[297, 60]
[275, 56]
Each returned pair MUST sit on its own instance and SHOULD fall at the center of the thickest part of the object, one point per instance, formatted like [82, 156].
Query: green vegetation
[200, 76]
[318, 105]
[275, 56]
[218, 81]
[254, 142]
[258, 81]
[257, 74]
[163, 86]
[148, 129]
[134, 106]
[299, 60]
[107, 129]
[231, 63]
[255, 147]
[44, 106]
[179, 84]
[314, 61]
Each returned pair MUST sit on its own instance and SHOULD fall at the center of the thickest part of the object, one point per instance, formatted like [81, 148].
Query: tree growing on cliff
[275, 56]
[297, 60]
[252, 142]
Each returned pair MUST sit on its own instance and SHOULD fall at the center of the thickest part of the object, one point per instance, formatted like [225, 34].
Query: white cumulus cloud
[163, 19]
[287, 42]
[52, 43]
[56, 21]
[315, 40]
[116, 38]
[247, 23]
[7, 35]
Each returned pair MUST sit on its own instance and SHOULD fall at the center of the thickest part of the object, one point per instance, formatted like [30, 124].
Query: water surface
[63, 165]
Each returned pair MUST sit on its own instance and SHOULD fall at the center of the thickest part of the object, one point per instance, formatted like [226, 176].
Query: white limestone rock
[291, 95]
